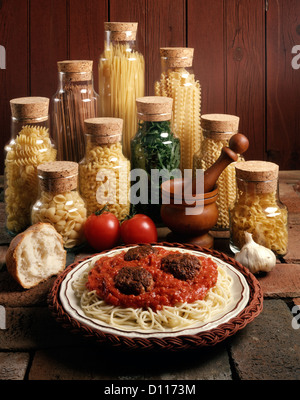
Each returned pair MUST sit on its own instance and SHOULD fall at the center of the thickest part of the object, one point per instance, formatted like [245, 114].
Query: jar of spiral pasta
[217, 130]
[30, 145]
[74, 101]
[59, 202]
[104, 172]
[121, 77]
[177, 80]
[156, 151]
[258, 209]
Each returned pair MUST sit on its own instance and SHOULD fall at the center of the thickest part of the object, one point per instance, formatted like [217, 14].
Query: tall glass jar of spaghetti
[177, 80]
[74, 101]
[104, 172]
[59, 202]
[217, 130]
[155, 150]
[258, 209]
[121, 77]
[30, 145]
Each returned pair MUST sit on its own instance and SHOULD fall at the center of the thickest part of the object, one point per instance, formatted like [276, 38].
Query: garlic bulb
[255, 257]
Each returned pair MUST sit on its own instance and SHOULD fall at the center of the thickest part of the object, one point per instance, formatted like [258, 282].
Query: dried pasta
[121, 82]
[185, 90]
[31, 147]
[65, 211]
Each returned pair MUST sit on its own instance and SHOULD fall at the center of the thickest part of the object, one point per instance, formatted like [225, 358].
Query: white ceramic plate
[70, 303]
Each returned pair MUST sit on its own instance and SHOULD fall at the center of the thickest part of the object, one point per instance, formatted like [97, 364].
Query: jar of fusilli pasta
[177, 80]
[121, 77]
[74, 101]
[217, 130]
[30, 145]
[104, 172]
[258, 209]
[156, 151]
[59, 202]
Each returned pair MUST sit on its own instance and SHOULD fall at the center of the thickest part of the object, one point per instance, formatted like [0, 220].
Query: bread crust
[11, 260]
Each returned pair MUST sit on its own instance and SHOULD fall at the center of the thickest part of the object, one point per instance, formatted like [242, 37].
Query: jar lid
[263, 173]
[105, 129]
[30, 108]
[219, 126]
[154, 108]
[177, 57]
[122, 31]
[58, 176]
[76, 70]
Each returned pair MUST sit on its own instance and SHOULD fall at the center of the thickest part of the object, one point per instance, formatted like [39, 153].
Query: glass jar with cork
[121, 77]
[59, 202]
[156, 150]
[104, 172]
[217, 130]
[30, 145]
[74, 101]
[177, 80]
[258, 209]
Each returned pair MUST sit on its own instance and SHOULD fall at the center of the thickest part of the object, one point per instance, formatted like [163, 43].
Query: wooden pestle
[238, 144]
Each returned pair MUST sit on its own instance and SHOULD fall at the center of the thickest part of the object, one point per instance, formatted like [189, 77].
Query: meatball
[133, 280]
[139, 252]
[181, 266]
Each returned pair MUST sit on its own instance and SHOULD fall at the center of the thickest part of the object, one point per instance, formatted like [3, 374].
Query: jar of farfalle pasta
[177, 80]
[104, 172]
[258, 209]
[30, 145]
[59, 202]
[121, 77]
[217, 129]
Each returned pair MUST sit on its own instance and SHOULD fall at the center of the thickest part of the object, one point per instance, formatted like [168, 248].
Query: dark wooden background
[243, 54]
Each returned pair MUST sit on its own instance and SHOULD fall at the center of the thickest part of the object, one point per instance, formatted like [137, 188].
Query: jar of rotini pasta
[104, 172]
[156, 151]
[258, 209]
[59, 202]
[74, 101]
[177, 80]
[30, 145]
[121, 77]
[217, 129]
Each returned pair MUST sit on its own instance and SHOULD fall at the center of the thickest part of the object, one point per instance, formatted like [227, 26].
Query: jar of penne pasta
[258, 209]
[104, 172]
[30, 145]
[59, 202]
[121, 77]
[74, 101]
[217, 129]
[156, 151]
[177, 80]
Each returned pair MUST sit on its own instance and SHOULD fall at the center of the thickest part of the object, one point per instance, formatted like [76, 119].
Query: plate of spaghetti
[156, 295]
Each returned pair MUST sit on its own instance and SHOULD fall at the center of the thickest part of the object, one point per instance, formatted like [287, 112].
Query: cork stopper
[177, 57]
[121, 31]
[154, 108]
[105, 130]
[219, 126]
[261, 175]
[58, 176]
[30, 108]
[76, 70]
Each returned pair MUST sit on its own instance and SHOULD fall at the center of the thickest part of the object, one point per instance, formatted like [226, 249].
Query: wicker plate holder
[181, 342]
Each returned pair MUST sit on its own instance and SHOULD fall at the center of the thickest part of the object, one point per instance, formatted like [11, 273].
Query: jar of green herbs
[155, 154]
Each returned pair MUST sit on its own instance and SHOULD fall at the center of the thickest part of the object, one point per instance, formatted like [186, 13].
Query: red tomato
[102, 231]
[138, 229]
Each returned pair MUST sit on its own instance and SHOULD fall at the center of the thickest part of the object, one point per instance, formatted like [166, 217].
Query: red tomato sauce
[167, 290]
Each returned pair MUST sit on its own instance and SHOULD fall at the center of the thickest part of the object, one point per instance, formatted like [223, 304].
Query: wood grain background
[243, 54]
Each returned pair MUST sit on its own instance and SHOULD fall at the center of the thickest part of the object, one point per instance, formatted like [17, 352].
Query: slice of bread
[35, 255]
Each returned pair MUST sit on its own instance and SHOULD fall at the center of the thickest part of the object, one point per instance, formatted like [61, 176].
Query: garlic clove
[255, 257]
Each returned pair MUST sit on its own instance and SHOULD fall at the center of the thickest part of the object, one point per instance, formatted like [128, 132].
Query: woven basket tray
[207, 338]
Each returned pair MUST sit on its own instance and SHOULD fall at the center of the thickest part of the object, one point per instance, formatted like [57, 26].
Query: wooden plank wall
[242, 57]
